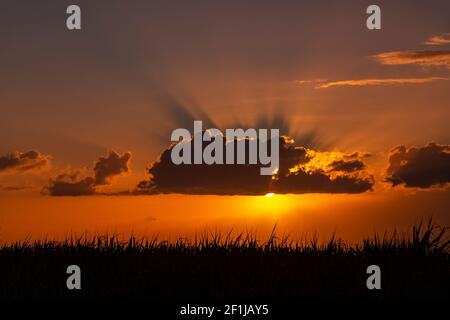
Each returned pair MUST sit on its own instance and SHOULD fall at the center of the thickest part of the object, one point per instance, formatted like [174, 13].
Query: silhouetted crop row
[223, 266]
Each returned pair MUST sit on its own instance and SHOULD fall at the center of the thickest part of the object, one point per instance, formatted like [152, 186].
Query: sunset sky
[88, 113]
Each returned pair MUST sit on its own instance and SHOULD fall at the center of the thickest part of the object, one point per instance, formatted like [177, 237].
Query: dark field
[222, 267]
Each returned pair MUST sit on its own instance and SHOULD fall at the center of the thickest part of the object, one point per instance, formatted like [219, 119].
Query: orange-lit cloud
[301, 170]
[310, 81]
[379, 82]
[423, 167]
[21, 162]
[438, 40]
[347, 165]
[427, 58]
[74, 184]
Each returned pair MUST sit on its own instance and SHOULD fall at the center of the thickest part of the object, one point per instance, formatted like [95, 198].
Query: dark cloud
[346, 165]
[108, 167]
[14, 188]
[419, 167]
[301, 170]
[203, 179]
[356, 155]
[18, 162]
[438, 40]
[320, 182]
[74, 184]
[71, 185]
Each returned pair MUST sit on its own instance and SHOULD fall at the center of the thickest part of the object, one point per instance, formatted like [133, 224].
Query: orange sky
[352, 217]
[135, 72]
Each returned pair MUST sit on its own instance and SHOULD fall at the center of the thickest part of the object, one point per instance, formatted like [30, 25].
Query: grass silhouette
[226, 266]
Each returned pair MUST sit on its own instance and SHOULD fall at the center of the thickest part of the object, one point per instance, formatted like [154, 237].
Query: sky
[86, 116]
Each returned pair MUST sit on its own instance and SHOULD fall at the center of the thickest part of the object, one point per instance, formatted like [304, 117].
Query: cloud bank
[70, 185]
[423, 167]
[438, 40]
[74, 184]
[108, 167]
[379, 81]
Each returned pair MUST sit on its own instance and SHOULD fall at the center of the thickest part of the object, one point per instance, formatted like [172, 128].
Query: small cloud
[379, 82]
[438, 40]
[23, 162]
[357, 154]
[423, 167]
[70, 185]
[108, 167]
[74, 184]
[346, 165]
[426, 58]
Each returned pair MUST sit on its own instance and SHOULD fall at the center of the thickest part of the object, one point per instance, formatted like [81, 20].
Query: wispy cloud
[75, 184]
[311, 81]
[427, 58]
[419, 167]
[439, 40]
[378, 82]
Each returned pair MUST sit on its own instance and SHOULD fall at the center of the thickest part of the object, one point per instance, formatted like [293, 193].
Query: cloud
[18, 162]
[14, 188]
[427, 58]
[108, 167]
[423, 167]
[439, 40]
[378, 82]
[424, 58]
[306, 81]
[74, 184]
[347, 165]
[301, 170]
[71, 185]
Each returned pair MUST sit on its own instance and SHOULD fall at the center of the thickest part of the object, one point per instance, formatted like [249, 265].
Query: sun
[269, 205]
